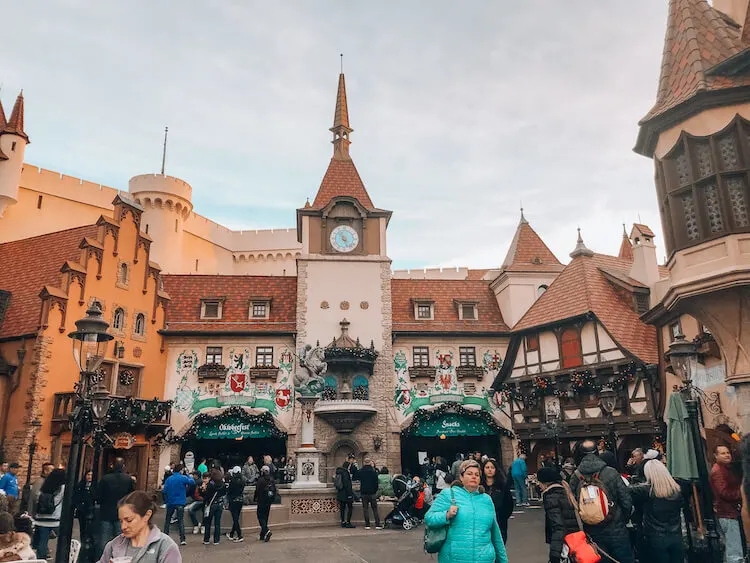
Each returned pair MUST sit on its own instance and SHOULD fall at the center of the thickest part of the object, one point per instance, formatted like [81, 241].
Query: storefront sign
[124, 441]
[232, 430]
[454, 425]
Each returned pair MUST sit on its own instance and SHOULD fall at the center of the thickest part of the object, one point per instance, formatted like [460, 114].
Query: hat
[14, 465]
[651, 454]
[235, 469]
[548, 475]
[265, 469]
[350, 456]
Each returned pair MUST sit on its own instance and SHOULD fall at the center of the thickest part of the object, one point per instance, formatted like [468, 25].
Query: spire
[626, 247]
[528, 252]
[341, 129]
[580, 249]
[15, 123]
[3, 121]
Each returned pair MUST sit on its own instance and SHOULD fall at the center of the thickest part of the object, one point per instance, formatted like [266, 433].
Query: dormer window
[424, 310]
[467, 310]
[260, 308]
[211, 308]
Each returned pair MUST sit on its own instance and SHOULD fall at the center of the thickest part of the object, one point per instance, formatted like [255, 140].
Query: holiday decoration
[424, 417]
[361, 393]
[584, 382]
[626, 375]
[138, 412]
[233, 415]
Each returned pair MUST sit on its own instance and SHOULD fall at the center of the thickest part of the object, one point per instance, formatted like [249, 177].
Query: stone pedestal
[308, 456]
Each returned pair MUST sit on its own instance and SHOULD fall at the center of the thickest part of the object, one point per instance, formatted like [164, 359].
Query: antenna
[342, 62]
[164, 151]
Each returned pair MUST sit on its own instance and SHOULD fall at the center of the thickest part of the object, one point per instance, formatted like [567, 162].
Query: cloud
[460, 110]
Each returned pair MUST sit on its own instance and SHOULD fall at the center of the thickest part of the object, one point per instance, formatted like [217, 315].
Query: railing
[122, 410]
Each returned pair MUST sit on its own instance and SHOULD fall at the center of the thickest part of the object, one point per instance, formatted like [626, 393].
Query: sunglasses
[470, 465]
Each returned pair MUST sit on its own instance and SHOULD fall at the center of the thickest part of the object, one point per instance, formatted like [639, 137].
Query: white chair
[75, 549]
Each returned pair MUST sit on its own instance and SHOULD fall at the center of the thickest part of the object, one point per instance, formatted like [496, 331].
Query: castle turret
[167, 204]
[13, 141]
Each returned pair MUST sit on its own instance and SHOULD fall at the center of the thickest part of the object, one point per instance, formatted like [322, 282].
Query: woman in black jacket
[265, 492]
[498, 487]
[83, 500]
[662, 501]
[213, 497]
[344, 494]
[559, 513]
[235, 495]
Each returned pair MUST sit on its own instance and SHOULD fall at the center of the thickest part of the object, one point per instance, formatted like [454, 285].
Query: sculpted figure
[308, 378]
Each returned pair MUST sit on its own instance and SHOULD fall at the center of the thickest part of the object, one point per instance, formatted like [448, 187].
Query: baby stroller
[403, 509]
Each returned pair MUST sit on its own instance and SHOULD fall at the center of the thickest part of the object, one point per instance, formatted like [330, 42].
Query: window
[118, 319]
[541, 289]
[532, 342]
[213, 355]
[571, 348]
[421, 356]
[467, 355]
[211, 309]
[260, 309]
[39, 201]
[13, 146]
[468, 311]
[122, 274]
[360, 388]
[424, 311]
[146, 228]
[139, 326]
[675, 329]
[264, 356]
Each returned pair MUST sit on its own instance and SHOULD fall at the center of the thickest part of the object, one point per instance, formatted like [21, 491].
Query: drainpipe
[15, 381]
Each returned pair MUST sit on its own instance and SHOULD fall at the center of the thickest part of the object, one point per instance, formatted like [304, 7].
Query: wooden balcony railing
[124, 412]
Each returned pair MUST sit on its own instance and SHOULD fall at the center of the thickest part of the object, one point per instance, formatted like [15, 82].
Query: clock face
[344, 238]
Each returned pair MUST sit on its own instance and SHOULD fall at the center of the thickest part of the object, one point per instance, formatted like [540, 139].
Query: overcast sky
[460, 110]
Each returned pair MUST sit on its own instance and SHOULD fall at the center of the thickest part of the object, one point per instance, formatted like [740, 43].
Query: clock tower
[344, 275]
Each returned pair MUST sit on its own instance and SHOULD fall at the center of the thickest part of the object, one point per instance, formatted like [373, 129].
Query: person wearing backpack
[48, 511]
[604, 504]
[559, 512]
[344, 494]
[265, 492]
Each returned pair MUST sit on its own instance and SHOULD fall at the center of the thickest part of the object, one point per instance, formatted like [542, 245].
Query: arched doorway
[546, 448]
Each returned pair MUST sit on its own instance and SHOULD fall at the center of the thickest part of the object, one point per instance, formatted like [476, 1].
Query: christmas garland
[358, 352]
[626, 375]
[584, 382]
[423, 415]
[232, 413]
[138, 412]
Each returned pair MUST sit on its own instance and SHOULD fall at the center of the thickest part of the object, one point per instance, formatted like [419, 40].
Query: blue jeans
[41, 541]
[214, 514]
[193, 510]
[618, 548]
[732, 540]
[108, 530]
[522, 495]
[179, 511]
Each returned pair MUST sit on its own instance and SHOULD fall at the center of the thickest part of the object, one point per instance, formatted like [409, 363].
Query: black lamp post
[35, 424]
[683, 355]
[90, 340]
[608, 403]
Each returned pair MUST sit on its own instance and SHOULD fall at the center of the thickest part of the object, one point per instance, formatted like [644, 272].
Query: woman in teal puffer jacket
[473, 533]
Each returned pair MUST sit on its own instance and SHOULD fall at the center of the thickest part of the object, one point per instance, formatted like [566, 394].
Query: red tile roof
[342, 179]
[626, 248]
[186, 291]
[528, 253]
[698, 38]
[582, 288]
[444, 293]
[15, 121]
[28, 266]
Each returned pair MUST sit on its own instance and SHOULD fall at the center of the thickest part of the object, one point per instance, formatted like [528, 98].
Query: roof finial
[580, 249]
[342, 62]
[523, 219]
[341, 129]
[624, 230]
[164, 151]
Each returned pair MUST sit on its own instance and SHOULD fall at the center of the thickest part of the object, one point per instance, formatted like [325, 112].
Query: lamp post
[608, 402]
[90, 340]
[554, 427]
[35, 424]
[683, 355]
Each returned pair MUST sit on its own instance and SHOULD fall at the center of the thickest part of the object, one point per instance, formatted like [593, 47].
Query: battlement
[69, 187]
[162, 184]
[457, 273]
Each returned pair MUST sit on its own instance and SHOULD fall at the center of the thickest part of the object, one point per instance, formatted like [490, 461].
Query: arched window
[122, 275]
[570, 344]
[361, 388]
[541, 289]
[140, 324]
[329, 391]
[118, 319]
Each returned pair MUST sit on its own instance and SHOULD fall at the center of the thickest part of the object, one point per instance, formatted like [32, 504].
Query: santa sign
[237, 382]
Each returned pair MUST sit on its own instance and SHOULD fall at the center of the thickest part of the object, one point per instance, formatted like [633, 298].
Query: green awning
[232, 429]
[451, 425]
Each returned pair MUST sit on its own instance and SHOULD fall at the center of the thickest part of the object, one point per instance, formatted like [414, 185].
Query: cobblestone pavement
[334, 545]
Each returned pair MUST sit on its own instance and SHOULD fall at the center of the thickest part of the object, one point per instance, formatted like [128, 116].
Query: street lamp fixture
[90, 341]
[683, 355]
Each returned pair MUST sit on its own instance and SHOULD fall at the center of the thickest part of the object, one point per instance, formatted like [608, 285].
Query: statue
[312, 365]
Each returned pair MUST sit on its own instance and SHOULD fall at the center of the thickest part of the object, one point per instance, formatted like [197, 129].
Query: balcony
[263, 372]
[422, 371]
[476, 372]
[344, 414]
[211, 371]
[125, 413]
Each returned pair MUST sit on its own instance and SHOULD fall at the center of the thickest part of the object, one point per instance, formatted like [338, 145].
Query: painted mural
[237, 388]
[410, 396]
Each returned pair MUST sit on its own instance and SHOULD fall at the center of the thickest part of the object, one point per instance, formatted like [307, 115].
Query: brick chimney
[645, 267]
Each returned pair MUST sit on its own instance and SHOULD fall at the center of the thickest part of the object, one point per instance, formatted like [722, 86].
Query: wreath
[126, 378]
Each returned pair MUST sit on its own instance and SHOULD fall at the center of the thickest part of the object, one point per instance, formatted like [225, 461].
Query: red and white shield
[283, 397]
[237, 382]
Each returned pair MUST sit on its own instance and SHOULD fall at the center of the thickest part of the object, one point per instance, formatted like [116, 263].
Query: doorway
[446, 448]
[231, 452]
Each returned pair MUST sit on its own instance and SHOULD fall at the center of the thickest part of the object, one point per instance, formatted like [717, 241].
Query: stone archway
[340, 451]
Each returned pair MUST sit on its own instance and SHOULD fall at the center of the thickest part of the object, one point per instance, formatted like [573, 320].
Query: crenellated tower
[13, 141]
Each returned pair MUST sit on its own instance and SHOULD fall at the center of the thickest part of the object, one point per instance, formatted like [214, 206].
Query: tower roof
[626, 247]
[3, 120]
[15, 122]
[341, 178]
[581, 249]
[528, 252]
[698, 38]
